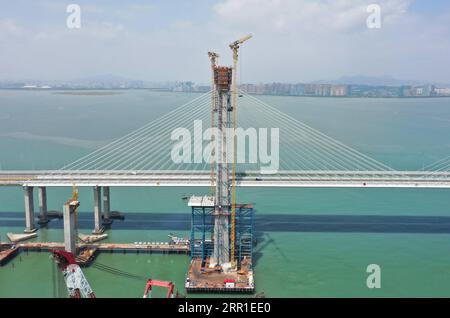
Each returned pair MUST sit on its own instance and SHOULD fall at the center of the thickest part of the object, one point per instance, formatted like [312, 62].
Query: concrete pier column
[97, 211]
[106, 206]
[42, 194]
[70, 234]
[29, 210]
[221, 251]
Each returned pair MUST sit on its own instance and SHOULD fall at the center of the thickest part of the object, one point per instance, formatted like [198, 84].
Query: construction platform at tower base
[205, 275]
[203, 279]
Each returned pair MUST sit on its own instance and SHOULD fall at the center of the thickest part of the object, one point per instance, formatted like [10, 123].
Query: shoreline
[117, 91]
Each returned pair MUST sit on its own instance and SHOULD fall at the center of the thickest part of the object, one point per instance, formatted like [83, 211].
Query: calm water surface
[311, 242]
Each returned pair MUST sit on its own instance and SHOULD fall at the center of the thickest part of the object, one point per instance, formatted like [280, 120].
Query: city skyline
[345, 87]
[385, 80]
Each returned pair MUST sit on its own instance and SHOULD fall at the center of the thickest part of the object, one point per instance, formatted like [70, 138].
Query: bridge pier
[42, 195]
[98, 228]
[106, 206]
[29, 210]
[70, 234]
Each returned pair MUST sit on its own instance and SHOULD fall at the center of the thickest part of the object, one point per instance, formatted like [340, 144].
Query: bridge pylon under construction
[222, 207]
[221, 252]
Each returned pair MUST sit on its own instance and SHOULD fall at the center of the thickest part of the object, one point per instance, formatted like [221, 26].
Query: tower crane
[235, 49]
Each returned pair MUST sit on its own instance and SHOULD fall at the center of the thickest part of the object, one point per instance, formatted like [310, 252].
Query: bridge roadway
[323, 179]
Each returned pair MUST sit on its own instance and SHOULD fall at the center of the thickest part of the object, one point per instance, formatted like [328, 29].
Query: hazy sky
[158, 40]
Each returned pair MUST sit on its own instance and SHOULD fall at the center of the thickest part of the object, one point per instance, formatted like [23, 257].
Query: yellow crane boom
[235, 48]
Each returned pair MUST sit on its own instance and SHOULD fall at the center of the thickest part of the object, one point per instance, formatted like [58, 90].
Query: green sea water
[298, 253]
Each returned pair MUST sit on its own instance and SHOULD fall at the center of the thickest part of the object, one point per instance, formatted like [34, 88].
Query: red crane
[78, 286]
[76, 282]
[151, 282]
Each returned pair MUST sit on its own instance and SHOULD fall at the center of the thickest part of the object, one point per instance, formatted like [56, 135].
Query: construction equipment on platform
[158, 283]
[234, 90]
[76, 283]
[78, 286]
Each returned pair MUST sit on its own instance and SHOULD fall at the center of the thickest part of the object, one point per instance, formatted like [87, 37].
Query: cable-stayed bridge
[217, 142]
[306, 157]
[308, 179]
[149, 156]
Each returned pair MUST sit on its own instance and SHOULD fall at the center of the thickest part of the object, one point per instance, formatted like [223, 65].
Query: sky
[166, 40]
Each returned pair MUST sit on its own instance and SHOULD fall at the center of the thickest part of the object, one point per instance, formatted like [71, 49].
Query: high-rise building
[339, 90]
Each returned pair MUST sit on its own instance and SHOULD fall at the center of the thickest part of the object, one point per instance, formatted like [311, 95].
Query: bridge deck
[327, 179]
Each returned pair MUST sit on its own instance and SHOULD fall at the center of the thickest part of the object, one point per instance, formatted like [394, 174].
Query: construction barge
[7, 252]
[205, 274]
[204, 279]
[88, 252]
